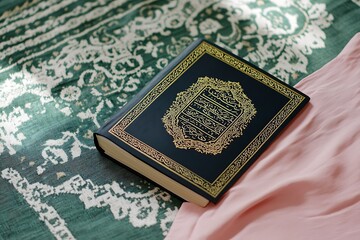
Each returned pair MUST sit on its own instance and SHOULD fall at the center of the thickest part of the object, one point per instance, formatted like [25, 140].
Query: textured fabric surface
[66, 66]
[305, 186]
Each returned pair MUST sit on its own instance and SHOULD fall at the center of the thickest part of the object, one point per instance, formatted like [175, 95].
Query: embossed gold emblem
[208, 115]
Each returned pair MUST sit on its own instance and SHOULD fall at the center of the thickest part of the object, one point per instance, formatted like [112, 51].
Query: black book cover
[205, 118]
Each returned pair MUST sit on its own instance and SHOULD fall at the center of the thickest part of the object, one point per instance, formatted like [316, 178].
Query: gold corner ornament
[209, 115]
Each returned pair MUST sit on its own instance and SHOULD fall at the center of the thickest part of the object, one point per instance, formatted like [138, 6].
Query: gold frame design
[212, 188]
[208, 115]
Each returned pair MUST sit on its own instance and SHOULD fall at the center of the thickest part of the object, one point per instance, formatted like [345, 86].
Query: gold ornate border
[212, 188]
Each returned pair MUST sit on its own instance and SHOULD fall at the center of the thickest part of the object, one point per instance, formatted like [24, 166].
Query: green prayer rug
[66, 66]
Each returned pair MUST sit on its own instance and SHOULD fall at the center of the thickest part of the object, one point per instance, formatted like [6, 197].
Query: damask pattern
[67, 66]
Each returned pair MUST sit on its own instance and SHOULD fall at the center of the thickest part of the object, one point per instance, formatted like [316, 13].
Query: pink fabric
[306, 185]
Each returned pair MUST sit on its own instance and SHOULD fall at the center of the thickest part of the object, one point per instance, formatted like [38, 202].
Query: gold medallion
[208, 115]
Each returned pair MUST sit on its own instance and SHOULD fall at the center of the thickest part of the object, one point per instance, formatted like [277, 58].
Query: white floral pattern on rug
[141, 209]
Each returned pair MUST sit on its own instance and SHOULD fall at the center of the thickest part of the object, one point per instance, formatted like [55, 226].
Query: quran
[200, 123]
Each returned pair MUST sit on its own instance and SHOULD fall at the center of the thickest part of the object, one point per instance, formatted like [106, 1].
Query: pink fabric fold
[306, 184]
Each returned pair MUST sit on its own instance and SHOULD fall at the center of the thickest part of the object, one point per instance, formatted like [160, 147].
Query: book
[200, 123]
